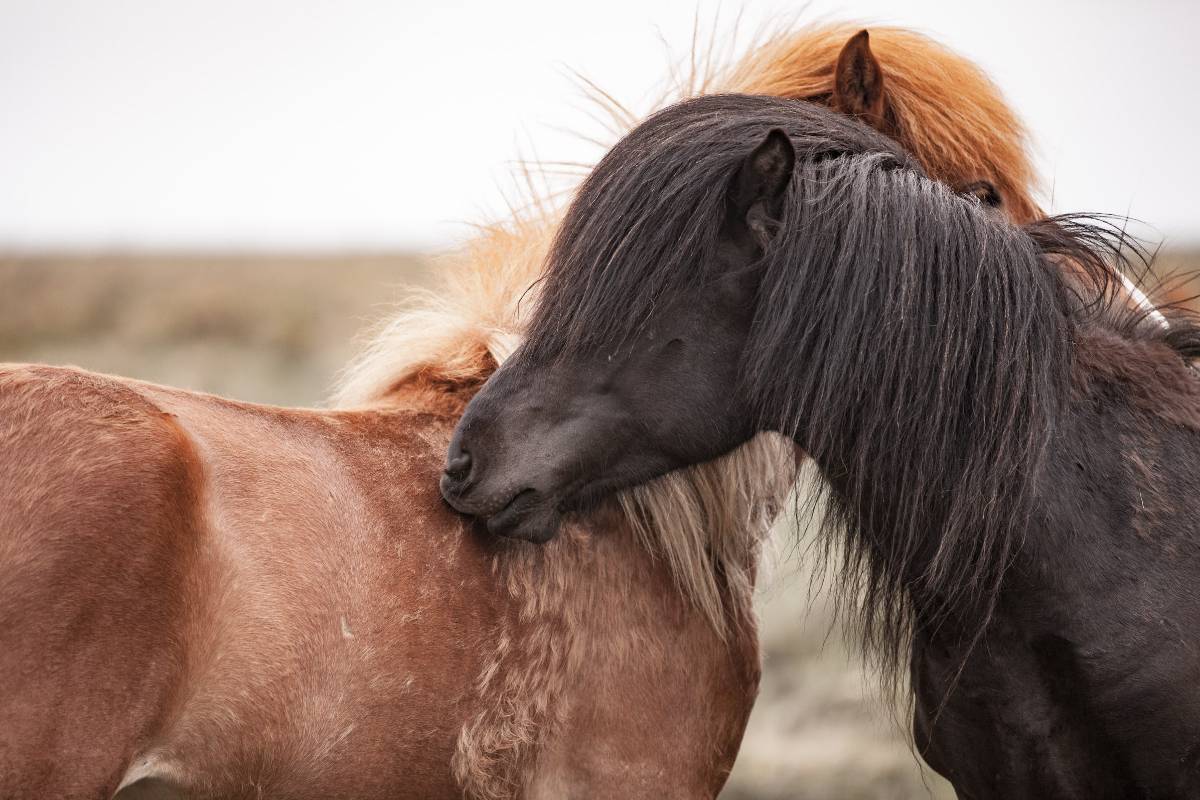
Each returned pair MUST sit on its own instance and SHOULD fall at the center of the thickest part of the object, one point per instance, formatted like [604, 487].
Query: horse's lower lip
[527, 516]
[465, 501]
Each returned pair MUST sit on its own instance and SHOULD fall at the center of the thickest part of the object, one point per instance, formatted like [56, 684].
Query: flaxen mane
[706, 521]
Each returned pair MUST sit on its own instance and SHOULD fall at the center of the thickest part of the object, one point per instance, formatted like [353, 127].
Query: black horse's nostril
[458, 466]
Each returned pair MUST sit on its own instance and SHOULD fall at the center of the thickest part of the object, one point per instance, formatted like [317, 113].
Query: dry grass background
[276, 329]
[269, 329]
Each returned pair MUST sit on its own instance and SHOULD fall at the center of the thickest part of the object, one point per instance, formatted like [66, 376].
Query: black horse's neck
[1010, 452]
[918, 348]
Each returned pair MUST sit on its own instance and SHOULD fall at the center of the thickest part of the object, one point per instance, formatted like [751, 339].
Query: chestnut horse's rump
[207, 598]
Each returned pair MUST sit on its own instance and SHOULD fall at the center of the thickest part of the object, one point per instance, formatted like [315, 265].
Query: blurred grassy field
[270, 329]
[276, 329]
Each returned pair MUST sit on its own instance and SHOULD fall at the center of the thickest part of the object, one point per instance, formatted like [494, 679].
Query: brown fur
[858, 87]
[243, 601]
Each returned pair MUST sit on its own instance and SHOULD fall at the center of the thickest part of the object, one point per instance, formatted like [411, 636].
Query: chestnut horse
[204, 598]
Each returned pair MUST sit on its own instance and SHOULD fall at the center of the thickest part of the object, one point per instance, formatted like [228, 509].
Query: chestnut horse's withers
[202, 598]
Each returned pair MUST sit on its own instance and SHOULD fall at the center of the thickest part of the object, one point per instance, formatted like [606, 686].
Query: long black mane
[915, 343]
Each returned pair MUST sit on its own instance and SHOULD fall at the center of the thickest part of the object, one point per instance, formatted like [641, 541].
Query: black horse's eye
[984, 192]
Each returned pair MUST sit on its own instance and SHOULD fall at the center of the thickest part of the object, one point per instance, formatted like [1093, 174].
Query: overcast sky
[296, 124]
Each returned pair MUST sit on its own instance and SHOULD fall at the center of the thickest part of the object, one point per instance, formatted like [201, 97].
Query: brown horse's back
[226, 600]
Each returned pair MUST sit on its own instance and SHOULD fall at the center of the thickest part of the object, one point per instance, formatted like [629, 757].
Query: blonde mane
[707, 522]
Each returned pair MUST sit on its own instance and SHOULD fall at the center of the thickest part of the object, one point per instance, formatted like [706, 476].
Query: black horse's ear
[757, 192]
[858, 82]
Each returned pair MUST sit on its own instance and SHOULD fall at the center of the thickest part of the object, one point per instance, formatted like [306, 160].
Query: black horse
[1011, 455]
